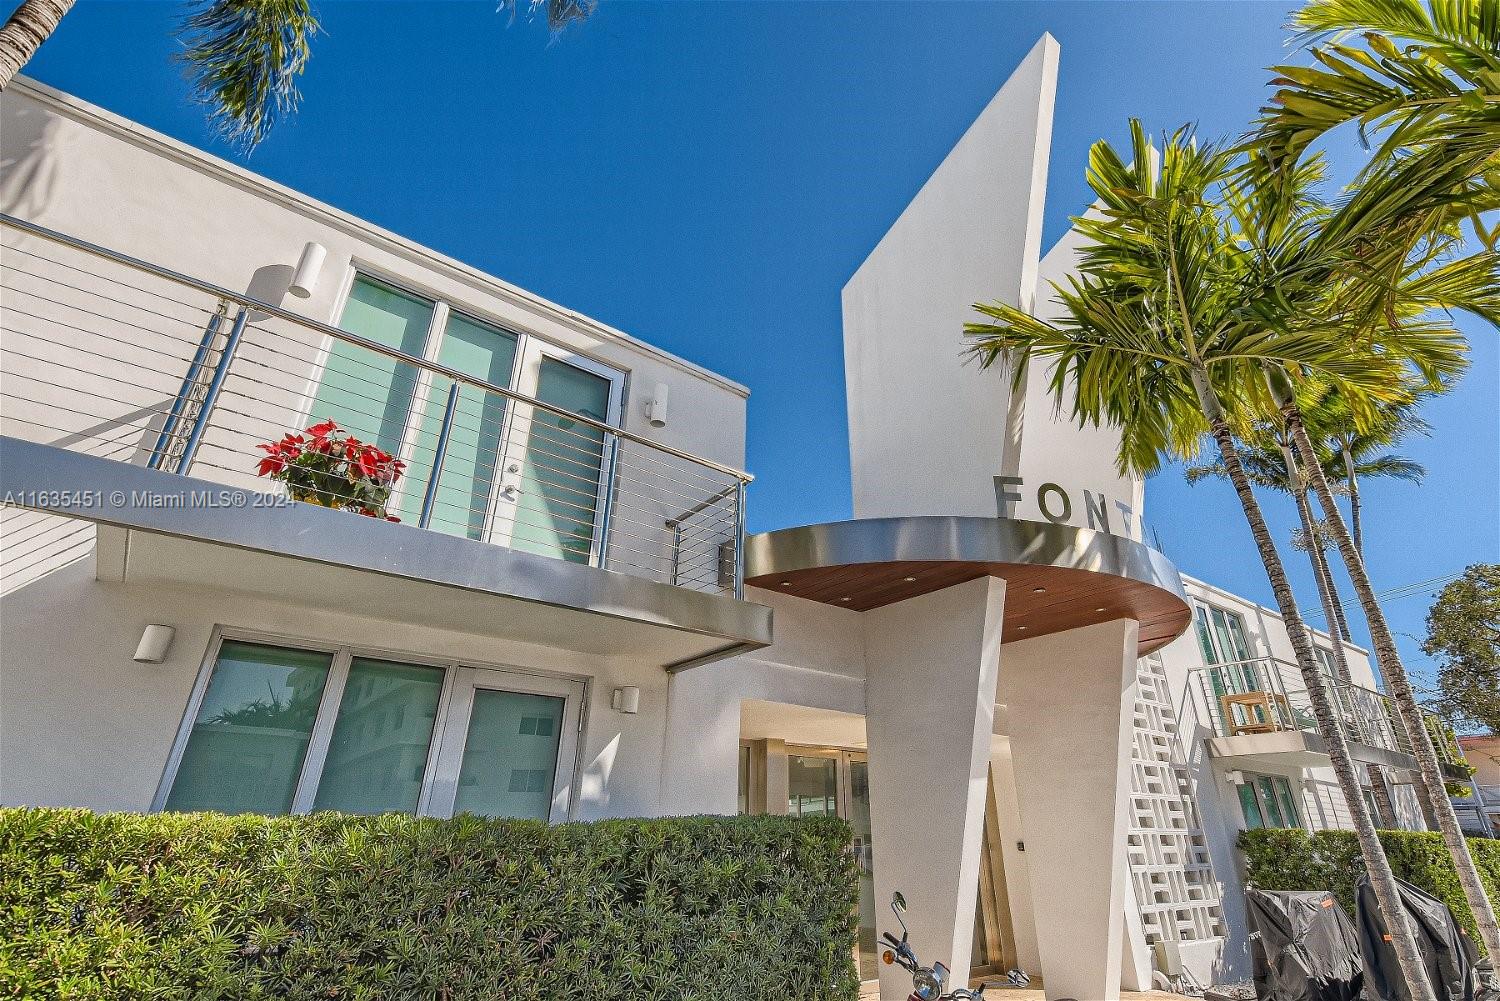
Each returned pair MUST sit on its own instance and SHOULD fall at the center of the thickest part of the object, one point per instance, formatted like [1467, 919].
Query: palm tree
[243, 56]
[1160, 337]
[1427, 77]
[1267, 455]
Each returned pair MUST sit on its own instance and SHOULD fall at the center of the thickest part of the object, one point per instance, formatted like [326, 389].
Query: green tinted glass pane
[864, 857]
[1250, 806]
[561, 470]
[1205, 639]
[510, 758]
[1288, 802]
[1269, 802]
[470, 466]
[378, 753]
[744, 800]
[367, 393]
[812, 786]
[246, 748]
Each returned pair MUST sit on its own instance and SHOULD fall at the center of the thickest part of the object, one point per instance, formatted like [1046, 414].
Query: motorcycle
[927, 982]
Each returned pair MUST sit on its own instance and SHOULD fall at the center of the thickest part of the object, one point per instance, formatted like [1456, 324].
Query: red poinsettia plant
[329, 466]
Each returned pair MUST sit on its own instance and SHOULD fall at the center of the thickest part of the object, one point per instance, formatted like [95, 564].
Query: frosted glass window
[245, 751]
[381, 738]
[367, 393]
[510, 759]
[562, 465]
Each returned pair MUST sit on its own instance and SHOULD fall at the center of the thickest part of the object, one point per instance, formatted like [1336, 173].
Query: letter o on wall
[1041, 502]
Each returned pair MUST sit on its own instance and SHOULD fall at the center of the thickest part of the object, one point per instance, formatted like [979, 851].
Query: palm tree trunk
[1354, 524]
[1382, 879]
[32, 24]
[1333, 610]
[1399, 685]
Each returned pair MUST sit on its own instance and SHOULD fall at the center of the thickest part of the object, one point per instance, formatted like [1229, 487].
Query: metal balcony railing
[1267, 695]
[107, 354]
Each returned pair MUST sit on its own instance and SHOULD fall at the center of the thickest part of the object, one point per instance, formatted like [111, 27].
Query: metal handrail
[1385, 730]
[329, 330]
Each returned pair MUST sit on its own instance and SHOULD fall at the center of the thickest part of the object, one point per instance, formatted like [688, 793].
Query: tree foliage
[1463, 633]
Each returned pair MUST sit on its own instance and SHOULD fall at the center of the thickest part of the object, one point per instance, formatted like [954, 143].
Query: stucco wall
[81, 724]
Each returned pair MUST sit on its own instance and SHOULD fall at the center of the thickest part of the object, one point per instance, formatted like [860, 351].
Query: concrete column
[931, 664]
[1069, 700]
[701, 747]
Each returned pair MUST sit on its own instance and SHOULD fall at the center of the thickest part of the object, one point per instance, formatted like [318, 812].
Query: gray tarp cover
[1303, 947]
[1446, 949]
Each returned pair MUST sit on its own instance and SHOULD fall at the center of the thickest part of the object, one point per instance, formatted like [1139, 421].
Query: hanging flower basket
[328, 466]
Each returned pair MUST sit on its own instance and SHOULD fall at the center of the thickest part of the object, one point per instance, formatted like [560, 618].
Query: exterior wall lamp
[309, 266]
[626, 700]
[656, 406]
[154, 644]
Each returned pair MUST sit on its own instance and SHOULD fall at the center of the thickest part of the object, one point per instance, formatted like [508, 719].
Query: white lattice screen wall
[1169, 861]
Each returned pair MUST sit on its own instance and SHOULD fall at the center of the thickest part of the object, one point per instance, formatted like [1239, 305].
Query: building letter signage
[1056, 505]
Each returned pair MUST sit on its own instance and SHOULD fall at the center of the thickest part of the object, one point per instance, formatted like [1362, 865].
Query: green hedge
[331, 906]
[1279, 859]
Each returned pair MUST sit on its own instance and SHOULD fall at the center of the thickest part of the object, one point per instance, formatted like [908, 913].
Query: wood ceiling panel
[1039, 599]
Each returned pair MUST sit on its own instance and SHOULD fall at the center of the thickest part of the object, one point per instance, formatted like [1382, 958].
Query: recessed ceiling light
[1039, 590]
[910, 580]
[1098, 609]
[1020, 627]
[786, 583]
[846, 599]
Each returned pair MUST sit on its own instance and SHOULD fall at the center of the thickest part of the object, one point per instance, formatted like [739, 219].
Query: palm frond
[244, 58]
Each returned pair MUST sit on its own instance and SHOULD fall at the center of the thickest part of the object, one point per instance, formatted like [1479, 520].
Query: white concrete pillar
[931, 664]
[1069, 701]
[701, 746]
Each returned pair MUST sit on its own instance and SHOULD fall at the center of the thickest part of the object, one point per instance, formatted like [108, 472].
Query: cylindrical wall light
[154, 644]
[656, 406]
[308, 268]
[626, 700]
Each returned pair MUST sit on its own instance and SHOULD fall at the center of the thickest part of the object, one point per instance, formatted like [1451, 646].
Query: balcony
[1260, 709]
[135, 397]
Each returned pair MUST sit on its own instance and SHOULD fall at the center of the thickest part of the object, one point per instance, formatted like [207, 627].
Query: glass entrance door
[837, 783]
[507, 748]
[553, 476]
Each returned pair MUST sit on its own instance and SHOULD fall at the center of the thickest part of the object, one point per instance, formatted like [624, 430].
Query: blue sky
[708, 175]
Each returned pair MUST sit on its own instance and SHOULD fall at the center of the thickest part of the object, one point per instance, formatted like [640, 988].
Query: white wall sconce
[1235, 778]
[656, 406]
[309, 266]
[154, 644]
[626, 700]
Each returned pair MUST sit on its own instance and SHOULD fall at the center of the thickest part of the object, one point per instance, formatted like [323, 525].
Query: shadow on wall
[28, 162]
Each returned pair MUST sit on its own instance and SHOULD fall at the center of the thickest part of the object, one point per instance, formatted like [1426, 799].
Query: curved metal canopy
[1058, 576]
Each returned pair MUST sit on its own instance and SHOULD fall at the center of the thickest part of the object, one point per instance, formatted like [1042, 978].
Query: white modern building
[1043, 735]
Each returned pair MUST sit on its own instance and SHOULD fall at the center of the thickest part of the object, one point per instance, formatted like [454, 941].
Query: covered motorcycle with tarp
[1302, 947]
[1448, 953]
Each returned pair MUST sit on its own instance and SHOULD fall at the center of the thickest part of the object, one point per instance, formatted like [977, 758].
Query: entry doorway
[806, 781]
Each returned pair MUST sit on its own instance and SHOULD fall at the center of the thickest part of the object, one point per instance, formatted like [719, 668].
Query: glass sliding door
[858, 814]
[812, 786]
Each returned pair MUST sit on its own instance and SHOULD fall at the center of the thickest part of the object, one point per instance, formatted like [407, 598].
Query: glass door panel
[858, 800]
[812, 786]
[471, 466]
[250, 735]
[552, 484]
[371, 394]
[508, 747]
[377, 756]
